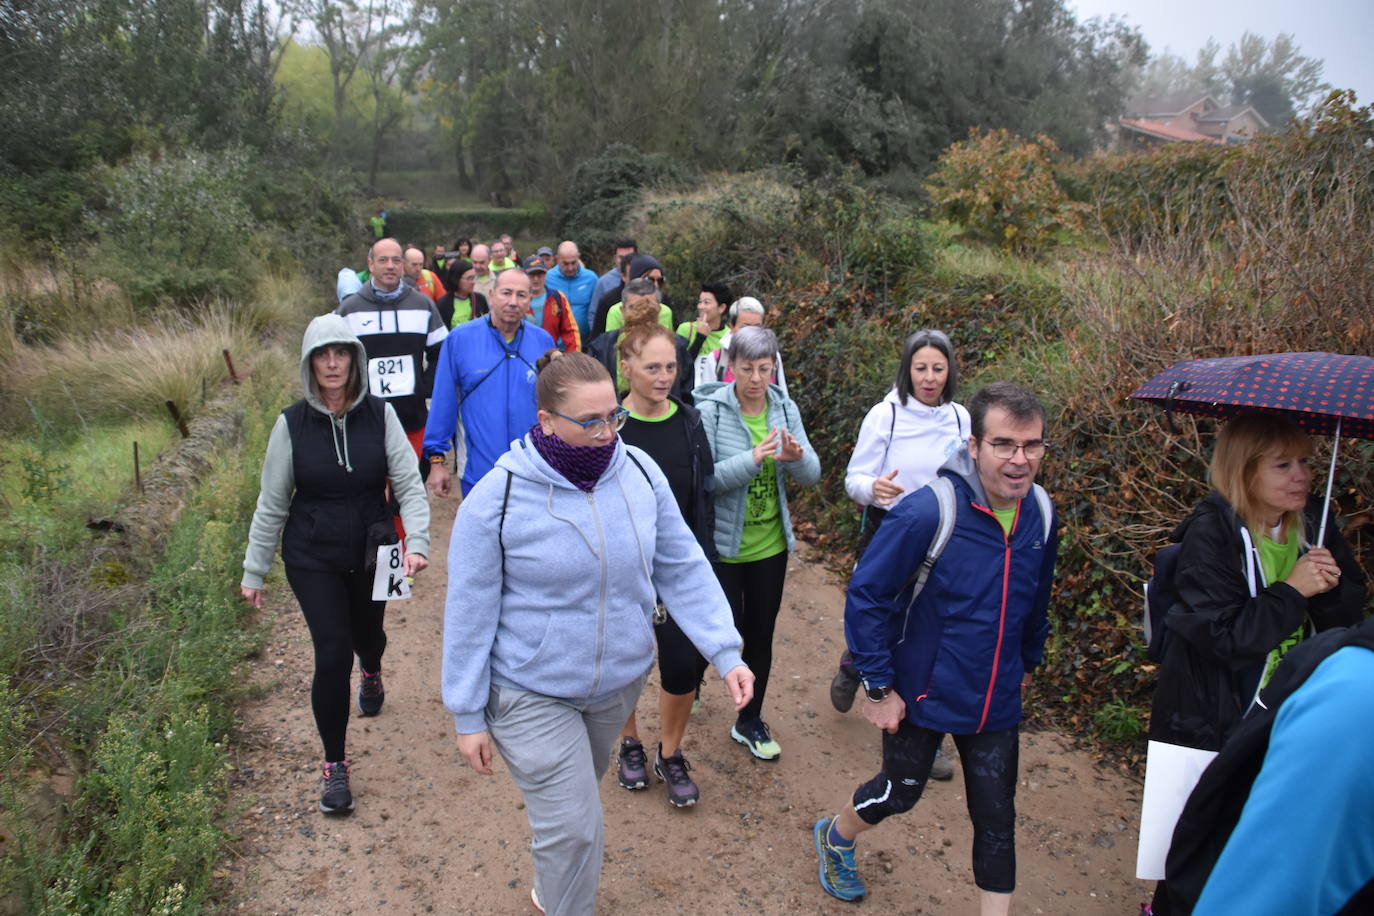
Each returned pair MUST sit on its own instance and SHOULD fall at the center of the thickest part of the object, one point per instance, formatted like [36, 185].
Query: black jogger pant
[755, 594]
[343, 621]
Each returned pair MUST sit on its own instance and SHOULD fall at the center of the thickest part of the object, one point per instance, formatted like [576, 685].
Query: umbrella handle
[1330, 477]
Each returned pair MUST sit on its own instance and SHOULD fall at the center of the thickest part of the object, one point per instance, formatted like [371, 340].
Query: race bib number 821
[391, 376]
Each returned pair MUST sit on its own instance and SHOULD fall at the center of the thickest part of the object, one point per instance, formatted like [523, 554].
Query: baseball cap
[545, 250]
[533, 263]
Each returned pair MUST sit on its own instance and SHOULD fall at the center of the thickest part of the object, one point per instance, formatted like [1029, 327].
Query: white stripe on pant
[557, 751]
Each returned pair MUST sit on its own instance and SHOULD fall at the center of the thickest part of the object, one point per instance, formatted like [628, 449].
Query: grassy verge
[143, 713]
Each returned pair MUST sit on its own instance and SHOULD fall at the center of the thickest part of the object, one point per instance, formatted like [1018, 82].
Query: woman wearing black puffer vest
[329, 459]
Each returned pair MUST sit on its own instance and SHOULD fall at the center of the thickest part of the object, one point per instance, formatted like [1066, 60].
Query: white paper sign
[389, 583]
[1171, 773]
[391, 376]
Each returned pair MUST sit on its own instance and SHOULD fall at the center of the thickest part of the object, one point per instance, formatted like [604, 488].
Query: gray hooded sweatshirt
[278, 468]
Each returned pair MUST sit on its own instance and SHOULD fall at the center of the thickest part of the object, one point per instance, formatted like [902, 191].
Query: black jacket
[701, 507]
[445, 307]
[604, 349]
[1222, 636]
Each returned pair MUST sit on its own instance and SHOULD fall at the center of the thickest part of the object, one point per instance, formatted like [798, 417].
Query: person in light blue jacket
[554, 564]
[758, 442]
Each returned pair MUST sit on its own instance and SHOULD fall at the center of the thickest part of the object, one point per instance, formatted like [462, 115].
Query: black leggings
[343, 620]
[989, 762]
[755, 594]
[680, 665]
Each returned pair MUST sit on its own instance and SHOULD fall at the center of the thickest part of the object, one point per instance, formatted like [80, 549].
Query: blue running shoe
[839, 875]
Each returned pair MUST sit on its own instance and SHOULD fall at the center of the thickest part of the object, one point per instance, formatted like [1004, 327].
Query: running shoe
[370, 694]
[943, 768]
[754, 735]
[534, 898]
[843, 687]
[839, 875]
[634, 765]
[672, 771]
[335, 796]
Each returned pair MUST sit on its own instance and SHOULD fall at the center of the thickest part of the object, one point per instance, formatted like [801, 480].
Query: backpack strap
[501, 525]
[944, 498]
[1042, 499]
[631, 455]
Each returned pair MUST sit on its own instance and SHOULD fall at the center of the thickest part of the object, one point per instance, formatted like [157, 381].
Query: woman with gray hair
[757, 441]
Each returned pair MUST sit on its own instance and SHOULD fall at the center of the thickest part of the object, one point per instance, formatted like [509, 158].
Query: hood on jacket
[324, 330]
[962, 466]
[641, 264]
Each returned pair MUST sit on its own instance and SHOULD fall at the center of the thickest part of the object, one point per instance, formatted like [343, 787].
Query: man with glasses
[486, 378]
[946, 618]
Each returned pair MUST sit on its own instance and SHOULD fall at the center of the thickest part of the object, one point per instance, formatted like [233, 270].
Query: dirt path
[430, 836]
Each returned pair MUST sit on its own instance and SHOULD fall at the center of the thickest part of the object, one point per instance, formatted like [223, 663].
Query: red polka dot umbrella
[1327, 394]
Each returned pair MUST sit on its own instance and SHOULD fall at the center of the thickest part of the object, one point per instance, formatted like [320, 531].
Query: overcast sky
[1338, 32]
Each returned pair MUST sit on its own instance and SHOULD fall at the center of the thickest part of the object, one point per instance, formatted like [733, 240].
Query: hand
[739, 682]
[703, 327]
[252, 595]
[1315, 573]
[885, 491]
[414, 562]
[476, 750]
[888, 714]
[766, 448]
[791, 448]
[440, 480]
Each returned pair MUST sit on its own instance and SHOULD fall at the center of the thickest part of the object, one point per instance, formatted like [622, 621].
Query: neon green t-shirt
[763, 536]
[462, 312]
[688, 330]
[1277, 560]
[1006, 517]
[616, 319]
[667, 415]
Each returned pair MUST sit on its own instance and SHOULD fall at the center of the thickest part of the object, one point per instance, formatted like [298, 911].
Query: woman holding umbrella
[1251, 583]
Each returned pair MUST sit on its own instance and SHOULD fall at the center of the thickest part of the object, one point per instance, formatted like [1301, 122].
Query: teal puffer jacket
[732, 447]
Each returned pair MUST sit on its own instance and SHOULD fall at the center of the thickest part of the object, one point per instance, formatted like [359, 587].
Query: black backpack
[1160, 595]
[1214, 807]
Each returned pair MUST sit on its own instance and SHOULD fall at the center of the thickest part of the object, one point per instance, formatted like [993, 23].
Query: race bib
[391, 376]
[390, 582]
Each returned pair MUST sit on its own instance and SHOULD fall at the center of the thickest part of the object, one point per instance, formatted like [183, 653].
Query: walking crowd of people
[624, 483]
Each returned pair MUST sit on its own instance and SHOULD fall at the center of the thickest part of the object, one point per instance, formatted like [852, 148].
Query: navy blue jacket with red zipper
[957, 656]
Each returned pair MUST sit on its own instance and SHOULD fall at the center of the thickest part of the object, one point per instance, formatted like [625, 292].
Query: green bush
[770, 233]
[176, 229]
[602, 191]
[1002, 189]
[427, 228]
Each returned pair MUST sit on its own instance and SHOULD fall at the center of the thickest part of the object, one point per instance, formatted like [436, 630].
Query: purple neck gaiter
[582, 465]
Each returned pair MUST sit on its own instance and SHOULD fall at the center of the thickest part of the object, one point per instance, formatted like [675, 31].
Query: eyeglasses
[597, 426]
[764, 371]
[1033, 451]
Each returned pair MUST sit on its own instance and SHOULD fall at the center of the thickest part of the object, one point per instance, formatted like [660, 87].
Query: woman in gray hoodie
[329, 460]
[556, 558]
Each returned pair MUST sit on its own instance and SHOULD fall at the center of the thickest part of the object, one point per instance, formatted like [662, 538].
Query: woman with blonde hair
[670, 431]
[1250, 584]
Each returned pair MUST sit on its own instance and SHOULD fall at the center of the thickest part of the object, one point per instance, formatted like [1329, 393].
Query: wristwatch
[877, 694]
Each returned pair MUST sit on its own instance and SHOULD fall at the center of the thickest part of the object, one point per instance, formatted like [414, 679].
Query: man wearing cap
[575, 282]
[549, 308]
[615, 277]
[546, 255]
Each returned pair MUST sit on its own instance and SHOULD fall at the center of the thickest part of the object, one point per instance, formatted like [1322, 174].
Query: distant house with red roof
[1186, 119]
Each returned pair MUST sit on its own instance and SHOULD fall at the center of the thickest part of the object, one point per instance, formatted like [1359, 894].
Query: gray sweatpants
[557, 751]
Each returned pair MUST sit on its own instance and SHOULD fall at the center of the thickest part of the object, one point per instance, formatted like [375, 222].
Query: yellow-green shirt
[688, 331]
[462, 312]
[1277, 560]
[763, 536]
[1006, 517]
[615, 319]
